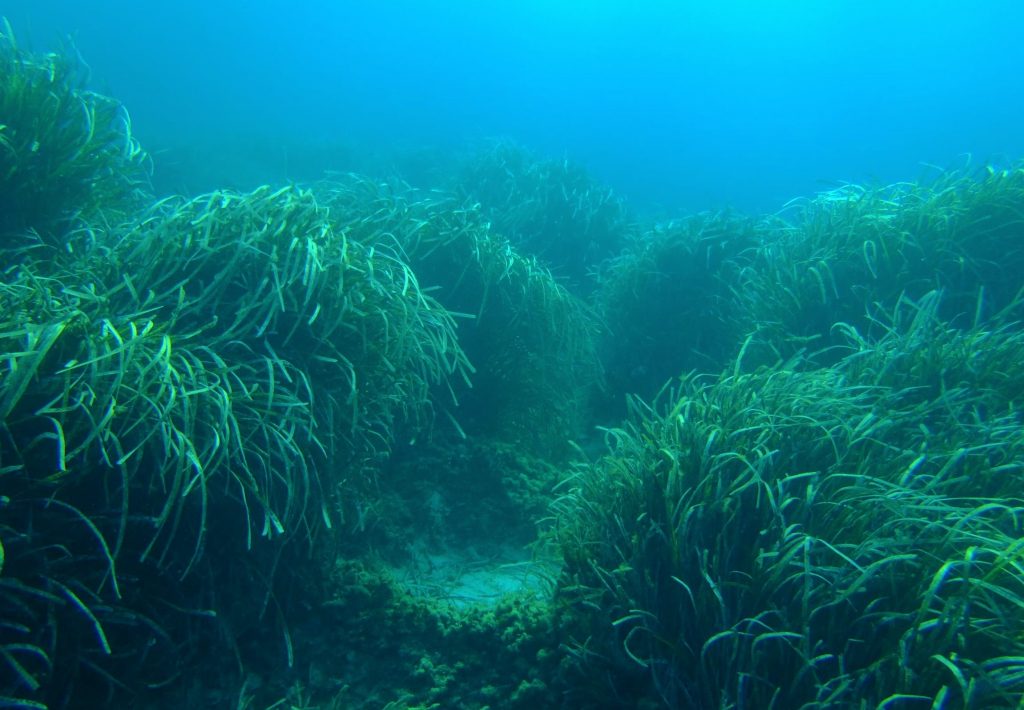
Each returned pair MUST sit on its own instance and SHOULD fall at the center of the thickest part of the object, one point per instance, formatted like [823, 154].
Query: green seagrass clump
[195, 396]
[800, 537]
[832, 258]
[66, 153]
[668, 303]
[549, 209]
[299, 283]
[531, 341]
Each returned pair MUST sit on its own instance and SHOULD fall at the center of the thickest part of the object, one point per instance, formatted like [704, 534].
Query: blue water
[686, 105]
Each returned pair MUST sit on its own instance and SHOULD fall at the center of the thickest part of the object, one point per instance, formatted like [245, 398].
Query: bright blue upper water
[688, 105]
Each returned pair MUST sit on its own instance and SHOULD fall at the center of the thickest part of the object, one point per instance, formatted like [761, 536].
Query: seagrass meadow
[499, 441]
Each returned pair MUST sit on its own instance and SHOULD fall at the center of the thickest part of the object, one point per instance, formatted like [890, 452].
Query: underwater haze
[691, 105]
